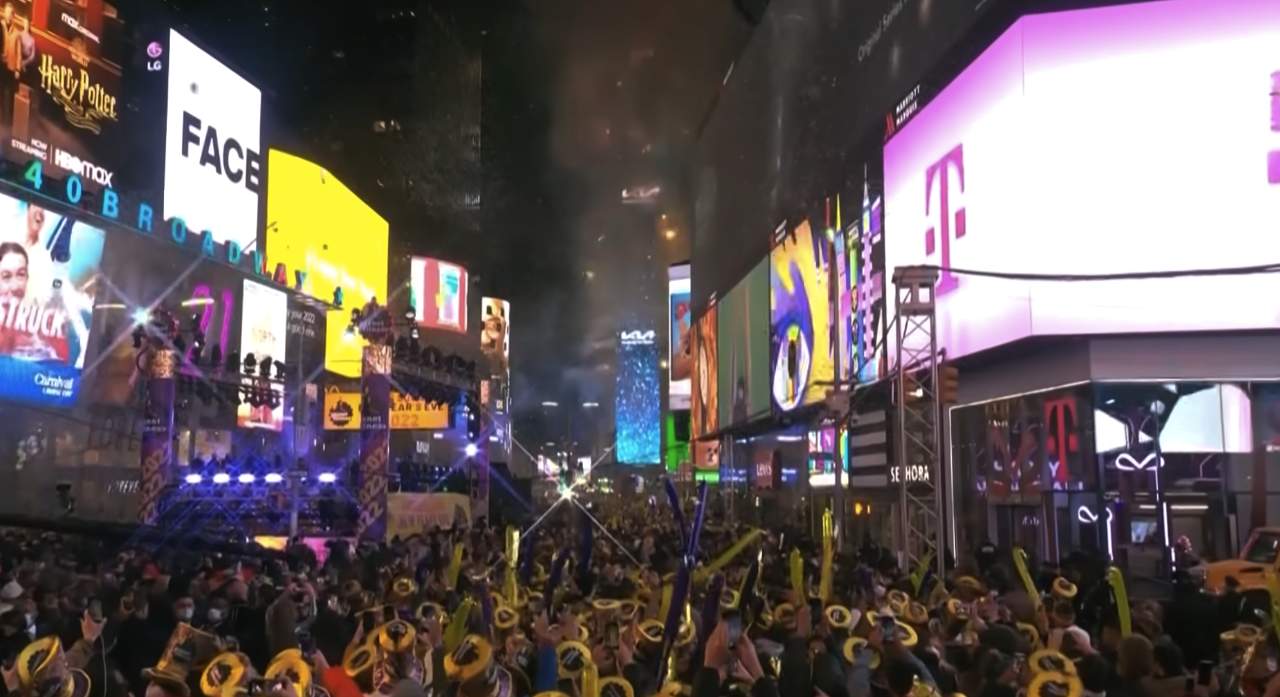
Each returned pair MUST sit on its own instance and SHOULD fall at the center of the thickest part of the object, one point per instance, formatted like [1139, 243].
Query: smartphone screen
[611, 635]
[1204, 674]
[95, 610]
[734, 627]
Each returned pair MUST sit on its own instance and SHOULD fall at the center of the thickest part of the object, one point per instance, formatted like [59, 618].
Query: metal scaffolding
[917, 458]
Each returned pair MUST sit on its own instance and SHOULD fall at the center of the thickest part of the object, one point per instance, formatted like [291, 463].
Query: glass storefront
[1121, 468]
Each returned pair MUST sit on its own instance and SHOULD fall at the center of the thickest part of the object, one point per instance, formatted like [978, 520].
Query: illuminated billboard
[262, 336]
[1133, 138]
[439, 294]
[637, 410]
[680, 337]
[213, 167]
[320, 227]
[495, 335]
[860, 274]
[704, 417]
[742, 365]
[801, 358]
[342, 409]
[48, 267]
[66, 106]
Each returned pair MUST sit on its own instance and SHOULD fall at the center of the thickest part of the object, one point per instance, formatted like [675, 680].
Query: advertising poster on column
[48, 278]
[680, 337]
[495, 337]
[743, 335]
[60, 90]
[262, 335]
[705, 415]
[439, 294]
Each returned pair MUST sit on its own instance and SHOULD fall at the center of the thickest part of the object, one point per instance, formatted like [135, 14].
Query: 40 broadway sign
[142, 218]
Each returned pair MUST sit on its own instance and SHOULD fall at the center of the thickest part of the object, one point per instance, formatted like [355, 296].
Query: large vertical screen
[439, 294]
[262, 336]
[679, 336]
[637, 409]
[801, 353]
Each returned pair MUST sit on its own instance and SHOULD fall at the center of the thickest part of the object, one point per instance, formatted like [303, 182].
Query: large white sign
[213, 165]
[1140, 137]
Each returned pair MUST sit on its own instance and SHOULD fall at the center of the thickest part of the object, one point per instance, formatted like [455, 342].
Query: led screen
[439, 294]
[828, 446]
[48, 271]
[495, 336]
[704, 417]
[637, 410]
[743, 335]
[1067, 147]
[677, 451]
[262, 335]
[860, 260]
[66, 108]
[680, 337]
[320, 227]
[213, 169]
[801, 353]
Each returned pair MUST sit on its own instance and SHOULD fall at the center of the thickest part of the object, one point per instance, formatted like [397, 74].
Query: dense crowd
[566, 609]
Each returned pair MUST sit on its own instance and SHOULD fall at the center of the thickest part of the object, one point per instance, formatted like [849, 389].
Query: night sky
[568, 102]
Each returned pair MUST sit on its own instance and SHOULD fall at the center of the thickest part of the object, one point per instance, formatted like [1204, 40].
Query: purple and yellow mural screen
[1067, 148]
[801, 348]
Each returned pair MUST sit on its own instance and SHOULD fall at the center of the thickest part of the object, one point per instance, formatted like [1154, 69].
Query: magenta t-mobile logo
[1273, 157]
[940, 171]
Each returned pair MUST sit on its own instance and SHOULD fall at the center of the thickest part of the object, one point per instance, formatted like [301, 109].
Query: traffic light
[948, 384]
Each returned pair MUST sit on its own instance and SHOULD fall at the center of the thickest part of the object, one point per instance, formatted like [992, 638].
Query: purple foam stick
[710, 612]
[674, 499]
[486, 610]
[526, 560]
[583, 561]
[691, 552]
[553, 581]
[671, 630]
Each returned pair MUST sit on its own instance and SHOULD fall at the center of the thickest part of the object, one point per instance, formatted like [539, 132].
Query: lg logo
[949, 222]
[154, 51]
[227, 158]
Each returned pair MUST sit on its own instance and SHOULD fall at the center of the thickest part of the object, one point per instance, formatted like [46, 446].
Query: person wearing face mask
[215, 618]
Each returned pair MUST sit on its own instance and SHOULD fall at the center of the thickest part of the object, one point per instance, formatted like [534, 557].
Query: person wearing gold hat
[184, 659]
[42, 670]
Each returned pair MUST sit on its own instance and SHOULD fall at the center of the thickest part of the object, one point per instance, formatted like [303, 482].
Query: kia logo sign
[637, 336]
[228, 157]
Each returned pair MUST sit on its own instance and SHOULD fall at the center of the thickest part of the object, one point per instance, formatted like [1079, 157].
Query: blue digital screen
[637, 400]
[48, 271]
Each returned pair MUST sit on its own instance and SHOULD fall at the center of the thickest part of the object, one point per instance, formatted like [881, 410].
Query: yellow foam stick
[513, 559]
[797, 577]
[1020, 561]
[665, 606]
[455, 567]
[922, 568]
[704, 572]
[457, 629]
[828, 551]
[1116, 579]
[590, 679]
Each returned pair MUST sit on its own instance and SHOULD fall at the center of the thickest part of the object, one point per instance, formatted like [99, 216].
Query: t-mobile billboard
[1122, 139]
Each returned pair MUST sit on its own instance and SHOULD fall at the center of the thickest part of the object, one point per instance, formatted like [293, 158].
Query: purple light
[221, 478]
[194, 479]
[273, 478]
[327, 477]
[246, 478]
[471, 450]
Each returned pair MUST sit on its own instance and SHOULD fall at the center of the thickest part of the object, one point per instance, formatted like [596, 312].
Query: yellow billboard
[342, 412]
[317, 225]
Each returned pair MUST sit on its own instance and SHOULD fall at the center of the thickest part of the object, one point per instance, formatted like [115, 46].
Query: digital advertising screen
[801, 352]
[827, 447]
[213, 163]
[262, 334]
[495, 334]
[65, 106]
[1000, 173]
[704, 417]
[680, 337]
[319, 226]
[860, 274]
[49, 266]
[742, 332]
[439, 294]
[637, 410]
